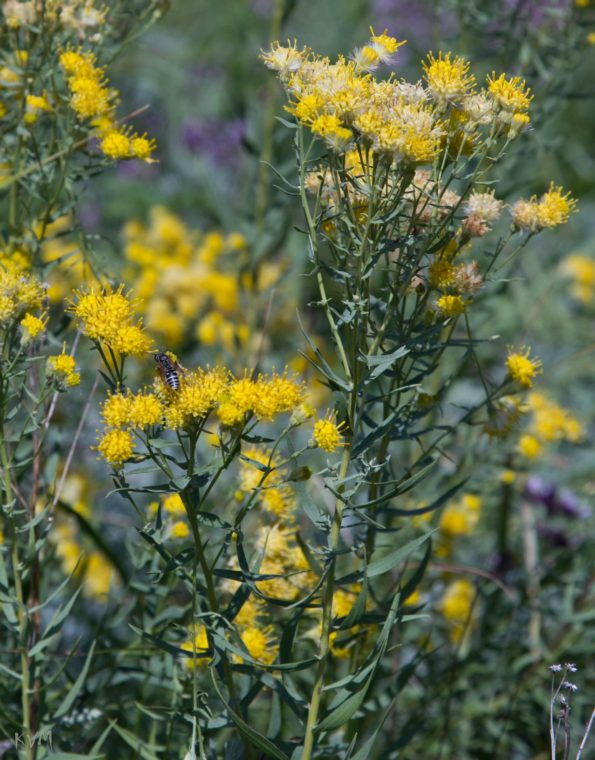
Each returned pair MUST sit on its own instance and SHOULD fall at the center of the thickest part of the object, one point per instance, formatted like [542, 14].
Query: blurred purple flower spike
[563, 502]
[220, 141]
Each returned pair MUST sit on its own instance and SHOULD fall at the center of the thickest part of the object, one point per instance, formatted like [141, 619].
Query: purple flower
[218, 140]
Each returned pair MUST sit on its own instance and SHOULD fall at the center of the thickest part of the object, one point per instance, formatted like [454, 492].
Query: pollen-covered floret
[522, 368]
[327, 433]
[116, 446]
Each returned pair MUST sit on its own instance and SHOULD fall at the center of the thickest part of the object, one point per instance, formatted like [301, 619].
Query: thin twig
[75, 440]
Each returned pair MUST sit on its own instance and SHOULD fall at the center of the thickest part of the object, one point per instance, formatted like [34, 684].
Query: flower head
[63, 368]
[116, 446]
[327, 433]
[448, 80]
[522, 368]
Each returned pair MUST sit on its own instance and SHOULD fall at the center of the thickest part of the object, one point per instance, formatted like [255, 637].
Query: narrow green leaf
[258, 739]
[68, 701]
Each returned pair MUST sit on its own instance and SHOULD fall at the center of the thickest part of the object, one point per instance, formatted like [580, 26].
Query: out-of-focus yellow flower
[461, 517]
[198, 644]
[529, 447]
[456, 606]
[581, 270]
[32, 326]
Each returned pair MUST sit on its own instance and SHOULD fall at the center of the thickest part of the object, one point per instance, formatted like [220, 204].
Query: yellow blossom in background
[116, 446]
[259, 642]
[274, 495]
[198, 644]
[529, 447]
[99, 575]
[522, 368]
[456, 605]
[179, 530]
[461, 517]
[551, 422]
[581, 270]
[34, 106]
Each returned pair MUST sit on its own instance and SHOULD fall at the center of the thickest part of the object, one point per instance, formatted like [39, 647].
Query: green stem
[327, 611]
[21, 611]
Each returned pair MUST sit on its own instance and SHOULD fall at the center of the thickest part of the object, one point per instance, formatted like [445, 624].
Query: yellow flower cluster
[274, 495]
[92, 100]
[91, 566]
[548, 422]
[458, 519]
[79, 16]
[19, 293]
[265, 397]
[130, 410]
[283, 558]
[106, 316]
[199, 644]
[456, 606]
[32, 326]
[188, 281]
[581, 270]
[62, 367]
[342, 103]
[521, 367]
[173, 506]
[551, 210]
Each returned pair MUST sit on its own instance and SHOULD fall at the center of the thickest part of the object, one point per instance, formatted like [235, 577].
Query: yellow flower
[259, 643]
[116, 410]
[145, 409]
[448, 80]
[521, 368]
[98, 575]
[142, 147]
[344, 599]
[116, 446]
[509, 94]
[284, 60]
[327, 434]
[197, 396]
[581, 270]
[529, 447]
[456, 606]
[63, 367]
[451, 306]
[461, 518]
[554, 208]
[174, 505]
[107, 317]
[32, 326]
[34, 105]
[179, 530]
[115, 144]
[198, 645]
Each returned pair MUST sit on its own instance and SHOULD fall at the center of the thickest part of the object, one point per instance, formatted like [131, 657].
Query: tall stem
[327, 610]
